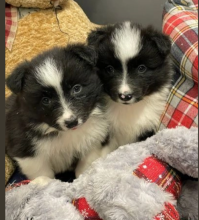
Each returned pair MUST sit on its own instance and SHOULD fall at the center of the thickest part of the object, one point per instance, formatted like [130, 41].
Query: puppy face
[59, 88]
[133, 62]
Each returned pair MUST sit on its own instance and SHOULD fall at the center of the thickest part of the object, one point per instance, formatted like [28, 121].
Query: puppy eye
[46, 101]
[77, 89]
[110, 69]
[142, 69]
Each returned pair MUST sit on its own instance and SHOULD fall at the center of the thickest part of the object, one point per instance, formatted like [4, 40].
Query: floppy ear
[161, 40]
[15, 80]
[97, 35]
[86, 53]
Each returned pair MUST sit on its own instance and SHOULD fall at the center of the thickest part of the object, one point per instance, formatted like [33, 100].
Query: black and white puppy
[56, 112]
[135, 69]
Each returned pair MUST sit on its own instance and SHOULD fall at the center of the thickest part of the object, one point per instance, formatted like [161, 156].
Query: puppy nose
[71, 123]
[125, 97]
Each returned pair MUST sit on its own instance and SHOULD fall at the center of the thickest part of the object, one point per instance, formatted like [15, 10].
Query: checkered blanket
[11, 17]
[180, 22]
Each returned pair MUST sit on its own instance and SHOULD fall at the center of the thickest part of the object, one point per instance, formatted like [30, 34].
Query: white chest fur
[56, 154]
[129, 121]
[126, 122]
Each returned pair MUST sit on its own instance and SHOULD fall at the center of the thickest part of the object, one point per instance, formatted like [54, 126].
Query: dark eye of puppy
[109, 69]
[76, 89]
[46, 101]
[142, 69]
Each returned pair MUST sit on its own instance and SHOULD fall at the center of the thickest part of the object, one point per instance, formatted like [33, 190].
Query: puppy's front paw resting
[41, 180]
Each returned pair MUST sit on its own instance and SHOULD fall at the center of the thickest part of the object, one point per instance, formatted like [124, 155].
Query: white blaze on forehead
[49, 75]
[127, 41]
[124, 87]
[127, 44]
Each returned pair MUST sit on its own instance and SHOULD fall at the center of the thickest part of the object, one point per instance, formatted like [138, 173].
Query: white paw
[41, 180]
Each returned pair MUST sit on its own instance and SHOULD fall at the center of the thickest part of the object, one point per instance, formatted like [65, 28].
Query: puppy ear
[97, 35]
[86, 53]
[163, 43]
[161, 40]
[15, 80]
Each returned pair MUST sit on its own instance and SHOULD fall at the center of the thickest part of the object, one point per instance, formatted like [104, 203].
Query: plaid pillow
[180, 22]
[11, 17]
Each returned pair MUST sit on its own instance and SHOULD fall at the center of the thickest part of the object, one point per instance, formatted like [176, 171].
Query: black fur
[106, 141]
[146, 135]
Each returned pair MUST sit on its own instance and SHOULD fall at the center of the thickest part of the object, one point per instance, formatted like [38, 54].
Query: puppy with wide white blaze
[136, 71]
[55, 115]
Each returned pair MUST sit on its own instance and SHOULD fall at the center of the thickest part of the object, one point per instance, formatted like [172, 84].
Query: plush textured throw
[110, 187]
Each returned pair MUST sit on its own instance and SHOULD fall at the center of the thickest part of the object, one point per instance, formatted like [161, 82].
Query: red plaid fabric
[169, 213]
[155, 171]
[14, 185]
[180, 22]
[11, 18]
[84, 208]
[152, 170]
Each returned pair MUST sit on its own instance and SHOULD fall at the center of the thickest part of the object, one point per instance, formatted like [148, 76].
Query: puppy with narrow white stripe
[55, 115]
[136, 71]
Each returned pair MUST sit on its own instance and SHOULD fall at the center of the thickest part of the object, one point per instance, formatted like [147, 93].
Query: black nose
[71, 123]
[125, 97]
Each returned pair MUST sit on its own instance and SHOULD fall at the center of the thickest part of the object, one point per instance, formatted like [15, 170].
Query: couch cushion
[180, 22]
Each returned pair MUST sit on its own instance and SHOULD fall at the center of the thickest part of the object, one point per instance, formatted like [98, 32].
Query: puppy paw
[41, 180]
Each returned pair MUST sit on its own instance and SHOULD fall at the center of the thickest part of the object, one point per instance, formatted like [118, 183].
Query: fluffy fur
[56, 114]
[135, 69]
[109, 186]
[134, 66]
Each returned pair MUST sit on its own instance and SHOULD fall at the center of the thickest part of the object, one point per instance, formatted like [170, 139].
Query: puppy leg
[34, 167]
[41, 180]
[86, 161]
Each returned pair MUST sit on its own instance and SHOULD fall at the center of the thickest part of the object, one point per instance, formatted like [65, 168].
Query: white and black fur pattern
[135, 68]
[56, 112]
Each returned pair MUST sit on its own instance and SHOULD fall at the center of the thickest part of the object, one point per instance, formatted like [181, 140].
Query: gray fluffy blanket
[109, 186]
